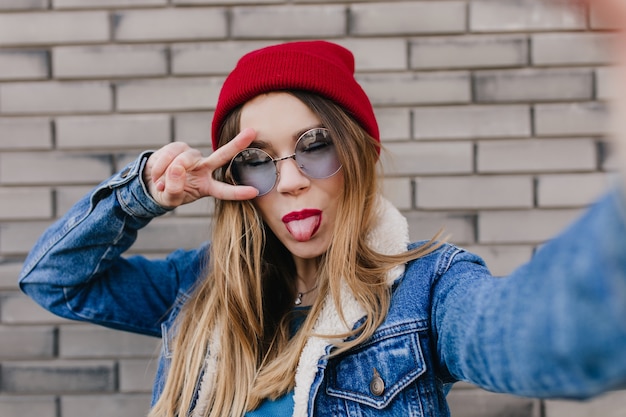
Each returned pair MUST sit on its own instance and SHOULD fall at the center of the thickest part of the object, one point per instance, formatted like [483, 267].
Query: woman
[310, 300]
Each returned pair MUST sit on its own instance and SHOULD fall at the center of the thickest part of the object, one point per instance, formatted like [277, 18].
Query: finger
[164, 157]
[224, 154]
[175, 181]
[178, 178]
[224, 191]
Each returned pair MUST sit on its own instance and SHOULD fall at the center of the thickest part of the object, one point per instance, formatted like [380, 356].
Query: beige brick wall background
[492, 113]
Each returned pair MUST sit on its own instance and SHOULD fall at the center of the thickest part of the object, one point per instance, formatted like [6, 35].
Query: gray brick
[610, 404]
[315, 21]
[502, 260]
[210, 58]
[408, 89]
[474, 192]
[460, 227]
[54, 376]
[537, 155]
[468, 122]
[170, 24]
[53, 168]
[55, 97]
[394, 123]
[533, 85]
[66, 197]
[523, 15]
[570, 48]
[97, 342]
[28, 405]
[25, 203]
[570, 190]
[25, 133]
[168, 233]
[611, 162]
[387, 18]
[113, 131]
[23, 64]
[52, 28]
[86, 4]
[27, 342]
[374, 54]
[527, 226]
[193, 128]
[124, 158]
[168, 94]
[427, 158]
[480, 403]
[109, 61]
[17, 238]
[19, 309]
[137, 375]
[606, 86]
[468, 52]
[23, 5]
[399, 191]
[9, 271]
[571, 119]
[127, 405]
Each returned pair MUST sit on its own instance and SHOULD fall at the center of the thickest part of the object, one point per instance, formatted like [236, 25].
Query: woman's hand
[177, 174]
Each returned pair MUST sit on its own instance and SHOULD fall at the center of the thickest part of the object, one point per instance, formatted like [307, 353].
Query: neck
[306, 274]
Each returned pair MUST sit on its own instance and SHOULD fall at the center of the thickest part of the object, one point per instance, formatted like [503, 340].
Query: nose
[290, 178]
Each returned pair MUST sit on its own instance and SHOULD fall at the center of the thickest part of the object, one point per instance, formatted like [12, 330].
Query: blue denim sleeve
[76, 269]
[555, 328]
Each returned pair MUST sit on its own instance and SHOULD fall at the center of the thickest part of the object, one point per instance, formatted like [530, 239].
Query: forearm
[556, 327]
[87, 243]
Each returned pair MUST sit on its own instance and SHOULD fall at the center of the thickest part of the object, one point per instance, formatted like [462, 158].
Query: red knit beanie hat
[318, 66]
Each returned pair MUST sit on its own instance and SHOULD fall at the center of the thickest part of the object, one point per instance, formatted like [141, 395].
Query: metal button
[377, 385]
[125, 173]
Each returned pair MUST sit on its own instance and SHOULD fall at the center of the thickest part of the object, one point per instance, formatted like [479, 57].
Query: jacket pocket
[375, 372]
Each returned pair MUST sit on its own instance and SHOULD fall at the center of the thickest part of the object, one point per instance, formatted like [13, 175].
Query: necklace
[301, 294]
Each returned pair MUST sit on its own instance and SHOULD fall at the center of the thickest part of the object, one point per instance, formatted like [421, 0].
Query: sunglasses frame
[276, 160]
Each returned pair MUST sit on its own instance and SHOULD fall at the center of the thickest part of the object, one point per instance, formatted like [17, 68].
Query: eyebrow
[264, 145]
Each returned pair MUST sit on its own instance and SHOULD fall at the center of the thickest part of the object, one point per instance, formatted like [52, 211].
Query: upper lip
[299, 215]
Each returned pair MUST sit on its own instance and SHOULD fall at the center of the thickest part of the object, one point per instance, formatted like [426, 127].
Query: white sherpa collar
[390, 235]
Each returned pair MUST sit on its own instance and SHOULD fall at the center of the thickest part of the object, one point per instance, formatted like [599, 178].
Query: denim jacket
[555, 328]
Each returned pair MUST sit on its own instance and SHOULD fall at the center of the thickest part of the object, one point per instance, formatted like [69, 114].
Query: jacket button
[377, 385]
[125, 173]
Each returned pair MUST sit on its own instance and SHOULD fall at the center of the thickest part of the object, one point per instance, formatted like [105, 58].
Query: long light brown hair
[250, 287]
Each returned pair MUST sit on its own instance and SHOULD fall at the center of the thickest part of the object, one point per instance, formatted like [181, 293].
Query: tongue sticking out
[303, 230]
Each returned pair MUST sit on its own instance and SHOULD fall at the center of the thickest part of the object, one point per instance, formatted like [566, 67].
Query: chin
[307, 250]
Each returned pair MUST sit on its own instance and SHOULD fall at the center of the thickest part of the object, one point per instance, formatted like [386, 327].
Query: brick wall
[492, 113]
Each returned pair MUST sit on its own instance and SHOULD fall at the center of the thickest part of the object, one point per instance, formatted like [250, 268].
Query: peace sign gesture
[177, 174]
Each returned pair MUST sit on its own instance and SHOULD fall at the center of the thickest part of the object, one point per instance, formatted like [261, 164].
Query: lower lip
[302, 234]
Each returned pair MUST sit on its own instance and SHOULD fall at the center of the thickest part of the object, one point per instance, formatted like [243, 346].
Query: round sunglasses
[315, 156]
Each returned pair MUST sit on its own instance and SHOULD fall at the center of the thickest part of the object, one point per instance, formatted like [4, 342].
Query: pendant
[298, 299]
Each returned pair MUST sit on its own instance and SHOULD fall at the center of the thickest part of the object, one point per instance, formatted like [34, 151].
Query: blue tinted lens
[316, 154]
[255, 168]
